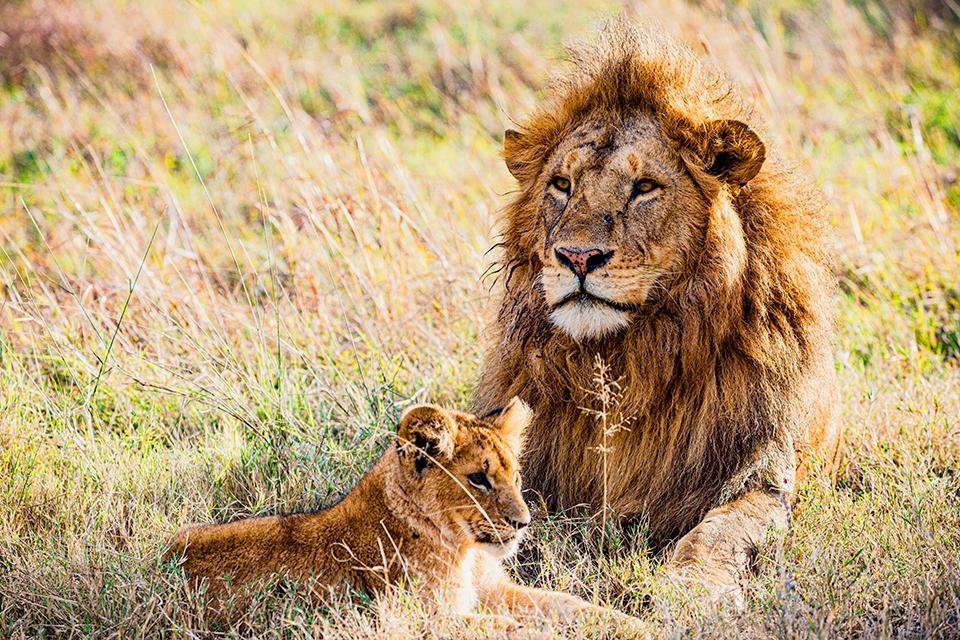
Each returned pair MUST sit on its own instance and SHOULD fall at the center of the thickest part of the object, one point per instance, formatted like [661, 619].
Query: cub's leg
[490, 625]
[497, 592]
[717, 550]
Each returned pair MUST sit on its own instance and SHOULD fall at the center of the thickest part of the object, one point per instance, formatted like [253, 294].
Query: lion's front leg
[716, 551]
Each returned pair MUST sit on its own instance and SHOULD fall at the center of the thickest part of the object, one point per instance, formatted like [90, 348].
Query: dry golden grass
[237, 239]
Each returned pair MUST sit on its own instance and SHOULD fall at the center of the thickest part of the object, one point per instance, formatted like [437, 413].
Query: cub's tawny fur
[435, 514]
[655, 229]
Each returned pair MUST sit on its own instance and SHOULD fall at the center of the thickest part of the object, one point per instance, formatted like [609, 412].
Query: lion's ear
[513, 421]
[426, 435]
[732, 152]
[512, 153]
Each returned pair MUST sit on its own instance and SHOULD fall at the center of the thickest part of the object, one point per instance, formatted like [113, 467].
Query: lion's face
[464, 473]
[623, 212]
[621, 216]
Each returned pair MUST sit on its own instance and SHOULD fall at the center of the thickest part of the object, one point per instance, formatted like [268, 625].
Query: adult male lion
[651, 229]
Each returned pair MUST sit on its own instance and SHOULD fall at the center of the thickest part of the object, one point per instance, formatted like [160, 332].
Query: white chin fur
[504, 550]
[585, 320]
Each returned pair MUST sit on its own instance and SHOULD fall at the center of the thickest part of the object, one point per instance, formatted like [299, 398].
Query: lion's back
[231, 552]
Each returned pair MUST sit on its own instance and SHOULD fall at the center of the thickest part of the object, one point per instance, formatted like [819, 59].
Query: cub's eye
[479, 480]
[641, 187]
[560, 184]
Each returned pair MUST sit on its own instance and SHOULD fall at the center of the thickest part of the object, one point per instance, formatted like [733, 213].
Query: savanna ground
[237, 239]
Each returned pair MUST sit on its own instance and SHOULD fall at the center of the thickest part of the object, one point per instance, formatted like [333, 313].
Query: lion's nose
[582, 261]
[523, 522]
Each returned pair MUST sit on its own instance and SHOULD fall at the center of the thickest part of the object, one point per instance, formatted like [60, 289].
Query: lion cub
[436, 513]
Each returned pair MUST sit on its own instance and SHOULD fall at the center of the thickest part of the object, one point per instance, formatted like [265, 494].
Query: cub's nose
[522, 523]
[582, 261]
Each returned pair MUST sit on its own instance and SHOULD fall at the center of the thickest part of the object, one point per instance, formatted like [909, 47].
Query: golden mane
[731, 373]
[628, 69]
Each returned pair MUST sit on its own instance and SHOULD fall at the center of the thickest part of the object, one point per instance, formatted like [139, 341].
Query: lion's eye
[560, 184]
[479, 480]
[642, 187]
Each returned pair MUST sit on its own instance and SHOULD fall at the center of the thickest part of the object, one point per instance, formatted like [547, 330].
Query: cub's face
[463, 471]
[621, 213]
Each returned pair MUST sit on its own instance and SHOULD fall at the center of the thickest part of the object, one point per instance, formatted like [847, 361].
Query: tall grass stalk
[607, 393]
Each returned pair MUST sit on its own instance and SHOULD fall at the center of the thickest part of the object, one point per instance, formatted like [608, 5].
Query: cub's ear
[513, 421]
[732, 151]
[513, 153]
[426, 436]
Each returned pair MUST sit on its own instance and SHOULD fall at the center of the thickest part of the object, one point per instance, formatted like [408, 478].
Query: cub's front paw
[718, 585]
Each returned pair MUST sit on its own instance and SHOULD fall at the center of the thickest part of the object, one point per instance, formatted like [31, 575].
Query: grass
[290, 209]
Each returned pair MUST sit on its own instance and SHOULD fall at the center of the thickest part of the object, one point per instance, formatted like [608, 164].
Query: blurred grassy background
[237, 238]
